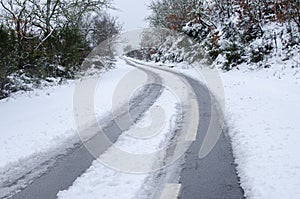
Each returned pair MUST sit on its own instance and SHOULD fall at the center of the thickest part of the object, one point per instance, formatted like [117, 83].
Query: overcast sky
[132, 13]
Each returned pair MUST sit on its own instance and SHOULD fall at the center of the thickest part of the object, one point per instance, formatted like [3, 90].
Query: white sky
[132, 13]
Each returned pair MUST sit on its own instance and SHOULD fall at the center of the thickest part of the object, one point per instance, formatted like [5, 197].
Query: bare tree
[18, 15]
[40, 18]
[102, 27]
[171, 14]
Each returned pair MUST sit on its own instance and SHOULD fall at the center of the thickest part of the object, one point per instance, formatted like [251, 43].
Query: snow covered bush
[248, 31]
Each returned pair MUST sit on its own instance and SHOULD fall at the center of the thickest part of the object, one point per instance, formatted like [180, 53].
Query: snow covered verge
[263, 114]
[38, 126]
[103, 181]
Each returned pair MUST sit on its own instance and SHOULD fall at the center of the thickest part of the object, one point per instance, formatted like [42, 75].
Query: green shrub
[233, 54]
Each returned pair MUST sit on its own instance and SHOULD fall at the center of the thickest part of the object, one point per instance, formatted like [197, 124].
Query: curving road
[72, 165]
[188, 178]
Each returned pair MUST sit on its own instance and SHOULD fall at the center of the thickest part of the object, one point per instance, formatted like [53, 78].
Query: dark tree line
[40, 39]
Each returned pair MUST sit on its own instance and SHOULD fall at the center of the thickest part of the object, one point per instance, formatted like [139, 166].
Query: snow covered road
[78, 159]
[135, 159]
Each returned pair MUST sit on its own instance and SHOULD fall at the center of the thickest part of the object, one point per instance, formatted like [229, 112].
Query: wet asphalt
[215, 176]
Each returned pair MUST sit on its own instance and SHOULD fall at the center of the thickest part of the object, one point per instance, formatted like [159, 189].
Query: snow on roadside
[100, 181]
[41, 123]
[263, 118]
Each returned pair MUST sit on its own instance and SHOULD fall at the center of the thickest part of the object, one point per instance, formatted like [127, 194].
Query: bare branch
[7, 9]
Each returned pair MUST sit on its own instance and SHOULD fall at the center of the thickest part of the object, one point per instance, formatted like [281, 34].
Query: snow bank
[263, 118]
